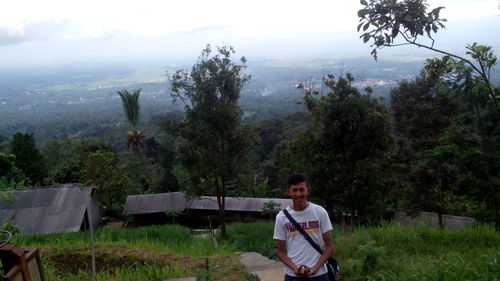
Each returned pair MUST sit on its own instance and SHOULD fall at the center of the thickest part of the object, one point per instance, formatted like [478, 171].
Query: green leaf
[362, 13]
[366, 26]
[436, 12]
[359, 26]
[363, 2]
[434, 28]
[408, 18]
[395, 32]
[366, 37]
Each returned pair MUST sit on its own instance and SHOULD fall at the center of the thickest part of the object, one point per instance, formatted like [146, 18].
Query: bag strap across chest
[303, 232]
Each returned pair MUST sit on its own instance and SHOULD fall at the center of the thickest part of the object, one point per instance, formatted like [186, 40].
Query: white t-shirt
[315, 221]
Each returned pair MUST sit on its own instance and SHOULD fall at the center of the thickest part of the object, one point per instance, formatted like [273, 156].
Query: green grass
[388, 252]
[252, 237]
[395, 252]
[136, 273]
[134, 254]
[168, 238]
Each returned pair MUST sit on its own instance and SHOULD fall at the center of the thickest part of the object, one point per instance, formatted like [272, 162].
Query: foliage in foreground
[395, 252]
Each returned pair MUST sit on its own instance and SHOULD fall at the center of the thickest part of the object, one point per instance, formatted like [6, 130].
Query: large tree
[345, 149]
[214, 143]
[467, 134]
[28, 158]
[135, 138]
[113, 185]
[65, 159]
[423, 110]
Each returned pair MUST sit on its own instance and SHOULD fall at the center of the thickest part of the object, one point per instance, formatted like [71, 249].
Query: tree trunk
[342, 223]
[222, 216]
[440, 219]
[139, 153]
[221, 201]
[352, 221]
[110, 199]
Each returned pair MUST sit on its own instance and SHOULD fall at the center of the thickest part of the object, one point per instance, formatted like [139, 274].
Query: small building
[432, 220]
[200, 211]
[51, 209]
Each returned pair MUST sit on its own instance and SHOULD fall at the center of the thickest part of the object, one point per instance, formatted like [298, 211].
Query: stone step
[251, 259]
[263, 268]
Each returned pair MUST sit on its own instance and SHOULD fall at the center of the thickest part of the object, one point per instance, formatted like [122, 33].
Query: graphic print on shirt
[310, 227]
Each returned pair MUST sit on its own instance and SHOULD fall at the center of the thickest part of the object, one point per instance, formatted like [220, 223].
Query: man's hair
[295, 179]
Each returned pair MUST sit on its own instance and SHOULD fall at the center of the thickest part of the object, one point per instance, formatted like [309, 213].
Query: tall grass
[134, 254]
[168, 238]
[252, 237]
[396, 252]
[137, 273]
[388, 252]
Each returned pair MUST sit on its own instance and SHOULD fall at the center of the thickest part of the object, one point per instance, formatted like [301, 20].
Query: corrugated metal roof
[243, 204]
[49, 209]
[162, 202]
[154, 203]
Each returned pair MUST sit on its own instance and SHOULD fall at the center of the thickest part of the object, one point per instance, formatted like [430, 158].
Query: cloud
[208, 28]
[6, 38]
[35, 31]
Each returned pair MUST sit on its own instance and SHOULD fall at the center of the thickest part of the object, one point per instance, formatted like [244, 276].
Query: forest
[427, 142]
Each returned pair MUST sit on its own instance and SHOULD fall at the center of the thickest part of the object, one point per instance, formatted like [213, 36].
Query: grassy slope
[395, 252]
[146, 253]
[389, 252]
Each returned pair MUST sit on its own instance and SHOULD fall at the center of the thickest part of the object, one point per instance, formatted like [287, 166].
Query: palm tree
[135, 138]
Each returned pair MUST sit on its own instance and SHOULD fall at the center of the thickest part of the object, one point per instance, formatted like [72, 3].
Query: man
[302, 261]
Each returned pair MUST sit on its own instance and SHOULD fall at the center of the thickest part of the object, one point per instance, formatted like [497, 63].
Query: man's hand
[313, 270]
[302, 270]
[327, 237]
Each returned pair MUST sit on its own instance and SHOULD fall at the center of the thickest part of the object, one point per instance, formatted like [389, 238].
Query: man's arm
[280, 252]
[327, 238]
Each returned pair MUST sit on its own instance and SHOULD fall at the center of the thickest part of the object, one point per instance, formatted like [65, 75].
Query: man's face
[298, 192]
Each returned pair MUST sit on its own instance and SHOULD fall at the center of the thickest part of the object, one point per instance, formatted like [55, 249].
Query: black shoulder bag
[331, 263]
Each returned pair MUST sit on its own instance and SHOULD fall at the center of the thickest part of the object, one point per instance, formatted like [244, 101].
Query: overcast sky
[61, 30]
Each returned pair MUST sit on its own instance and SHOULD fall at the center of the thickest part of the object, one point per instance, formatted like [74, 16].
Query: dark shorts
[323, 277]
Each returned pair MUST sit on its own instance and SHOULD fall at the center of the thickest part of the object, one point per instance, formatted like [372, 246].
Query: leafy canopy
[214, 142]
[344, 149]
[131, 106]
